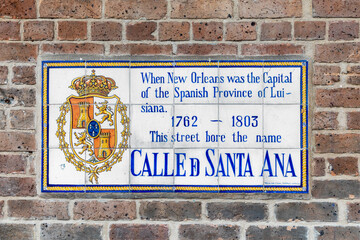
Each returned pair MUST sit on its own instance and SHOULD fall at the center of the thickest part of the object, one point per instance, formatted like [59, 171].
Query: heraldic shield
[95, 145]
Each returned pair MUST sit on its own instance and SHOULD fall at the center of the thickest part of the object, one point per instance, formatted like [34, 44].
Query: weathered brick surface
[338, 97]
[327, 212]
[140, 31]
[338, 233]
[336, 189]
[286, 233]
[13, 97]
[3, 75]
[38, 30]
[325, 120]
[73, 48]
[14, 186]
[337, 52]
[318, 167]
[176, 211]
[70, 9]
[342, 30]
[129, 9]
[337, 143]
[272, 49]
[18, 52]
[336, 8]
[55, 231]
[10, 30]
[201, 9]
[18, 9]
[343, 166]
[1, 209]
[11, 163]
[207, 49]
[200, 231]
[174, 31]
[309, 30]
[106, 31]
[2, 119]
[270, 8]
[353, 75]
[110, 210]
[326, 75]
[17, 141]
[353, 120]
[24, 75]
[208, 31]
[72, 30]
[38, 209]
[271, 31]
[237, 211]
[241, 31]
[11, 231]
[139, 231]
[353, 211]
[141, 49]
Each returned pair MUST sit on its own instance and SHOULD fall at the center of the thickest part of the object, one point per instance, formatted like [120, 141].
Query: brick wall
[324, 31]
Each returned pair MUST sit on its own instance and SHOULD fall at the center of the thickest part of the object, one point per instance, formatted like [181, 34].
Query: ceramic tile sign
[175, 126]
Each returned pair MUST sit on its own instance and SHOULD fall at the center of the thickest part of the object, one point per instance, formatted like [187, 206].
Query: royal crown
[93, 84]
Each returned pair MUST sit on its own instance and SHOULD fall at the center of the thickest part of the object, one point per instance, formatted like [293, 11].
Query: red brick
[202, 9]
[338, 233]
[353, 75]
[325, 120]
[9, 30]
[343, 30]
[140, 31]
[338, 97]
[270, 232]
[99, 211]
[72, 30]
[14, 97]
[106, 31]
[174, 31]
[24, 75]
[326, 75]
[169, 210]
[11, 163]
[18, 52]
[141, 49]
[38, 30]
[17, 141]
[14, 186]
[10, 231]
[318, 167]
[22, 119]
[344, 189]
[139, 231]
[128, 9]
[2, 119]
[337, 143]
[353, 211]
[18, 9]
[309, 30]
[337, 52]
[275, 31]
[270, 8]
[207, 49]
[353, 120]
[200, 231]
[237, 211]
[343, 166]
[70, 9]
[209, 31]
[336, 8]
[3, 75]
[271, 49]
[241, 31]
[73, 48]
[38, 209]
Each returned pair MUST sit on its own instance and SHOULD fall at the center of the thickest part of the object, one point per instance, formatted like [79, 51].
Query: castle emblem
[98, 128]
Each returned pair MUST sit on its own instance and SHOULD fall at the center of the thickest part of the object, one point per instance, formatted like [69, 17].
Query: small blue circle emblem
[93, 128]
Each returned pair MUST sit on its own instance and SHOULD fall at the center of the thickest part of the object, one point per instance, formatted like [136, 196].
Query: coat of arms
[98, 128]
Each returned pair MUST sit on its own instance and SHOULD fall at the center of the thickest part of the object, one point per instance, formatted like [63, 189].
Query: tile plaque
[175, 126]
